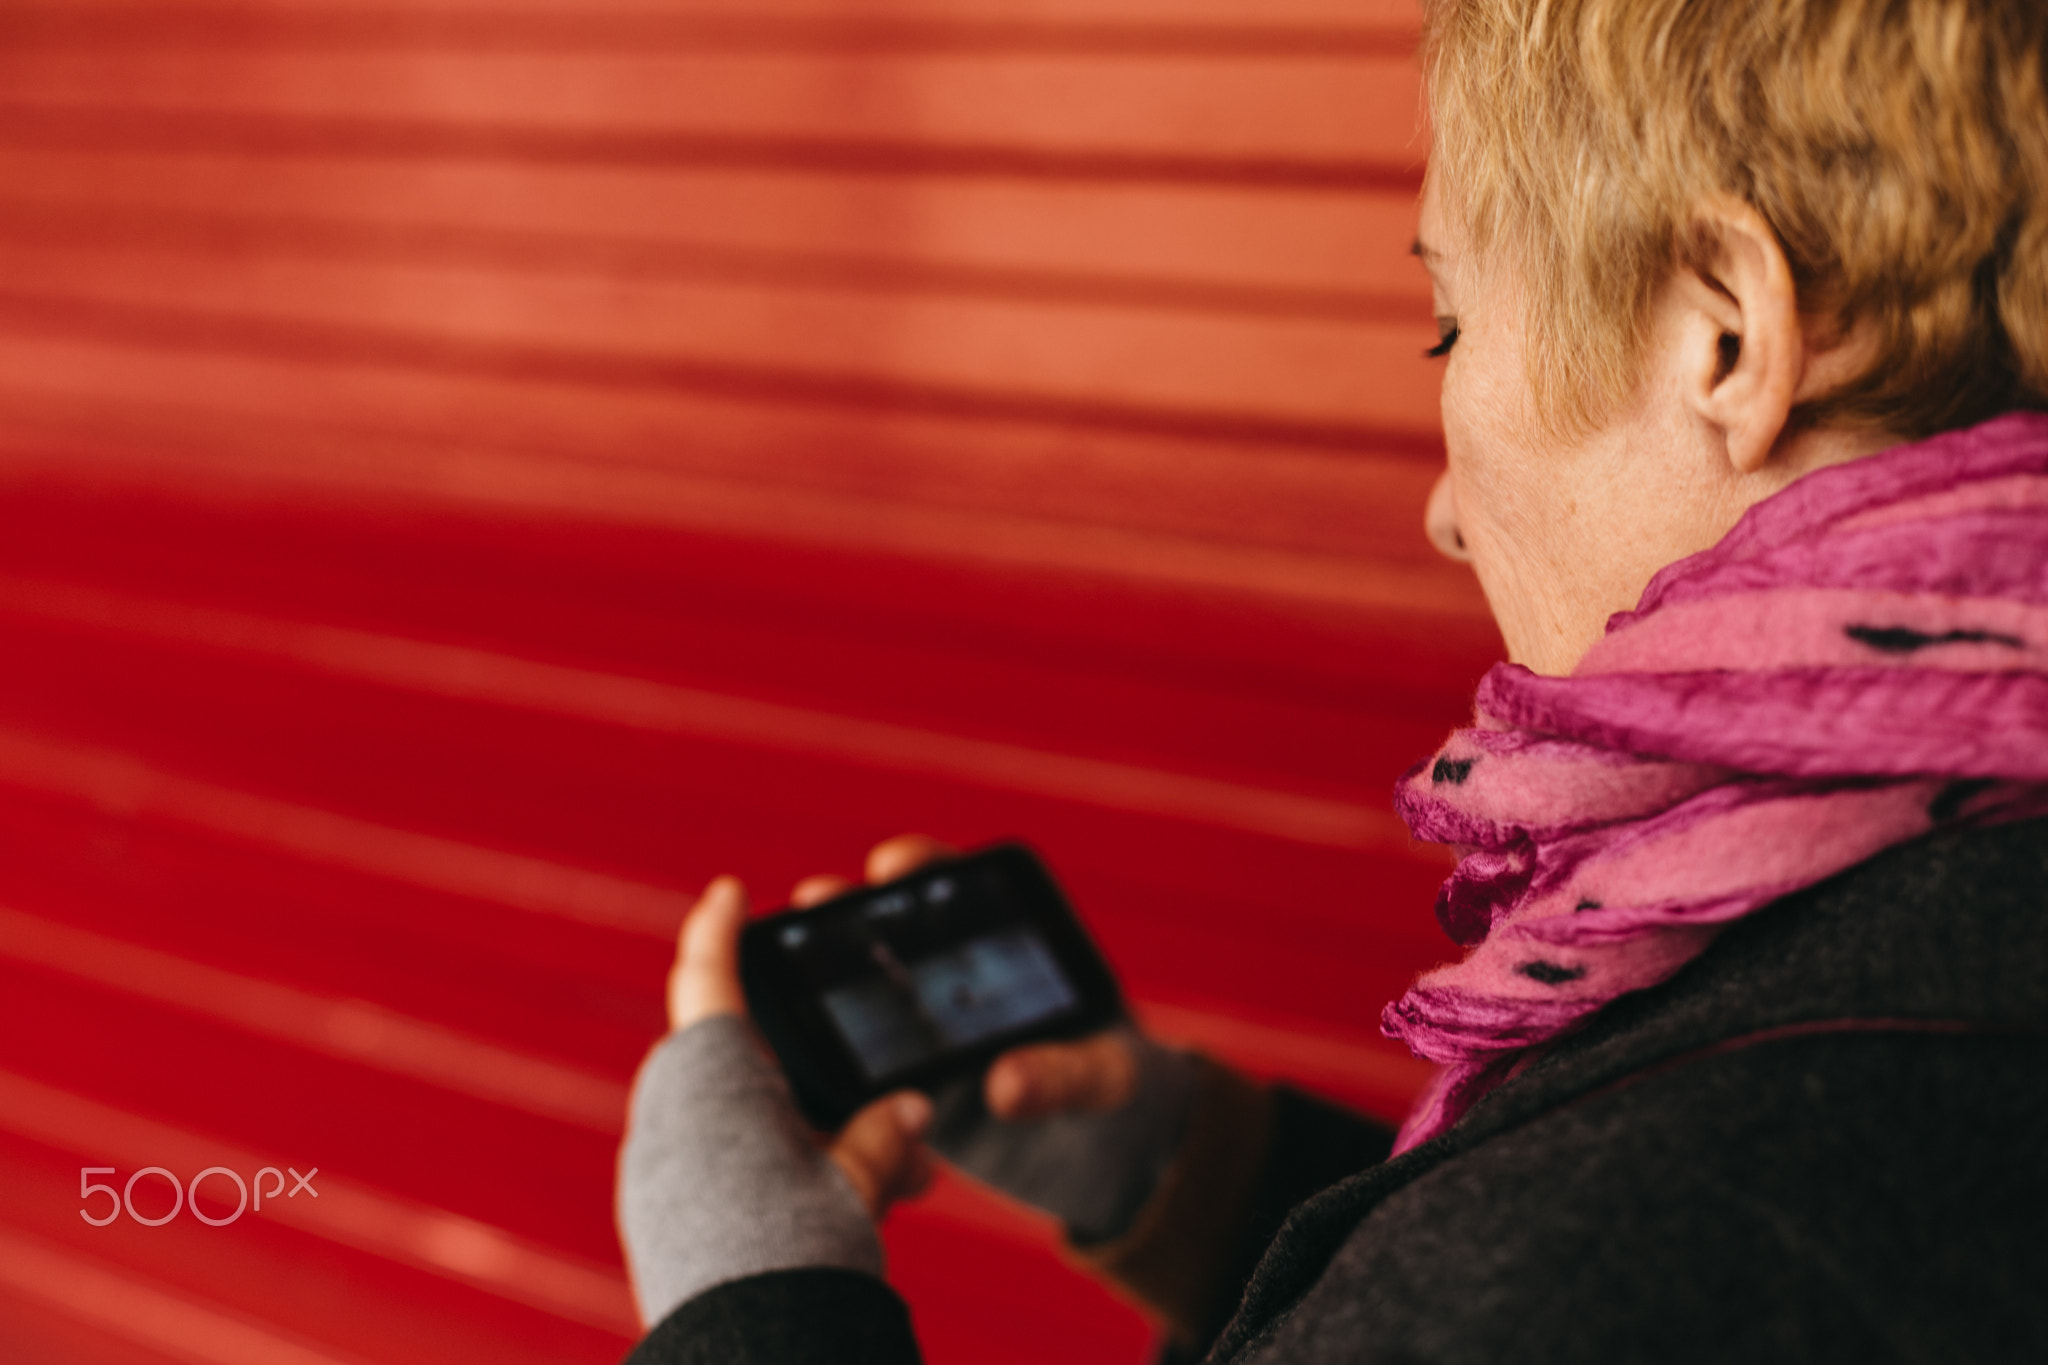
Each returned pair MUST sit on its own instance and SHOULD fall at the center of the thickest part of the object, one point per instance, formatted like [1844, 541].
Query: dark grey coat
[1825, 1140]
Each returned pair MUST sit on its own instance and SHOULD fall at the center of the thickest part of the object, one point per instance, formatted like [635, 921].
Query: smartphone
[921, 981]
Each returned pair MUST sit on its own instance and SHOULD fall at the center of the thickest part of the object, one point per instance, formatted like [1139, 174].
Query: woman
[1745, 314]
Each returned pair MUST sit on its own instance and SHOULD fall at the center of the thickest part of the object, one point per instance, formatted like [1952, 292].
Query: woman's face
[1564, 531]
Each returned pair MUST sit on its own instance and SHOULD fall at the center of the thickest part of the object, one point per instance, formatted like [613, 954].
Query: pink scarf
[1864, 658]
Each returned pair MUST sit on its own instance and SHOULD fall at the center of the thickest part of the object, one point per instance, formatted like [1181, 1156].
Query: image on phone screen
[929, 968]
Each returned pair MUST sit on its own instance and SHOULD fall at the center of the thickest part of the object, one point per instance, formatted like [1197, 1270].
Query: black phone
[922, 981]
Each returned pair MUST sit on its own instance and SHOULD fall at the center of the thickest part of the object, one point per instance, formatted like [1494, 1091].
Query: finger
[1094, 1075]
[904, 854]
[919, 1174]
[822, 887]
[881, 1150]
[706, 978]
[916, 1173]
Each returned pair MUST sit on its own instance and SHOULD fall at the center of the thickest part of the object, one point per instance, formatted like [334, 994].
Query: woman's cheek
[1501, 521]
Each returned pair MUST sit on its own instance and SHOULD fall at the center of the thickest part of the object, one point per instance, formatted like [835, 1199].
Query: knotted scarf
[1863, 659]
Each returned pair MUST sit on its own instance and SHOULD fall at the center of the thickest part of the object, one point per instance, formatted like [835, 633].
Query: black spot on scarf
[1905, 640]
[1950, 802]
[1452, 770]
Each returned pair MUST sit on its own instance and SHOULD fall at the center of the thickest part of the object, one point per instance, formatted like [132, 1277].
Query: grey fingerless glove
[1092, 1171]
[719, 1177]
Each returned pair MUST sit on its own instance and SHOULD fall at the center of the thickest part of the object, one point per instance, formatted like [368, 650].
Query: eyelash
[1443, 347]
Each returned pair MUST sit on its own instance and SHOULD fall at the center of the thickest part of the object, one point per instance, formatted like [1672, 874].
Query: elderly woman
[1744, 307]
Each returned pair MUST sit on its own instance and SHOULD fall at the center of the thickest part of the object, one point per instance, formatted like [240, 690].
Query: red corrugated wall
[469, 472]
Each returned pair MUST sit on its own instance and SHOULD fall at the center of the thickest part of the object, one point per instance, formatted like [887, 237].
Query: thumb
[1093, 1076]
[882, 1151]
[706, 977]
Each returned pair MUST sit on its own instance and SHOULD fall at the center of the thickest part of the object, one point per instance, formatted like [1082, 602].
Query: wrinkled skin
[1563, 530]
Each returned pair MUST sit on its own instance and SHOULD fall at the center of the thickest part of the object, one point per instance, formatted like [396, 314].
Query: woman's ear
[1746, 351]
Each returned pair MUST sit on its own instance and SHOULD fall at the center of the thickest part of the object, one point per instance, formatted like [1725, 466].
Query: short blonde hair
[1898, 148]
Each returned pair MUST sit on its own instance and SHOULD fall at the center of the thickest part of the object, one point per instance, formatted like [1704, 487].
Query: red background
[471, 472]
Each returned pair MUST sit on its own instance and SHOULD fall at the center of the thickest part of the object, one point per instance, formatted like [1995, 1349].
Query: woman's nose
[1440, 521]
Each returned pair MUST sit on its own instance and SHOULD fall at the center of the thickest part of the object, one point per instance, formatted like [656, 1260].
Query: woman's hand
[1093, 1075]
[721, 1178]
[1081, 1130]
[880, 1150]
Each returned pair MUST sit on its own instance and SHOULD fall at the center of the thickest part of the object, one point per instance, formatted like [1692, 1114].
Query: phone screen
[920, 970]
[920, 981]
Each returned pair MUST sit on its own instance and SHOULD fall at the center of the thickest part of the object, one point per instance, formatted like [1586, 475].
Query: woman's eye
[1447, 337]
